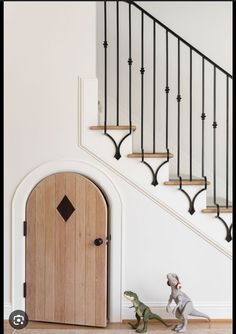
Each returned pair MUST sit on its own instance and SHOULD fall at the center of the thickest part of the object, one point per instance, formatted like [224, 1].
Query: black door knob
[98, 242]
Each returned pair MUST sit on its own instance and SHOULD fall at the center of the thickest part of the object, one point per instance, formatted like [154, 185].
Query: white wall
[48, 45]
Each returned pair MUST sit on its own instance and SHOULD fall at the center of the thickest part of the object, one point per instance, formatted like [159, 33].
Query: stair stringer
[138, 176]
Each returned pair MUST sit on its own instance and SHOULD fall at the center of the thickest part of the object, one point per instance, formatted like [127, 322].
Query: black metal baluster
[203, 117]
[191, 209]
[105, 44]
[142, 70]
[227, 141]
[118, 63]
[191, 121]
[178, 122]
[228, 228]
[154, 87]
[167, 90]
[214, 124]
[154, 173]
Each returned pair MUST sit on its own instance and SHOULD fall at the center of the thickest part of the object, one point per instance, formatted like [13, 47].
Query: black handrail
[178, 37]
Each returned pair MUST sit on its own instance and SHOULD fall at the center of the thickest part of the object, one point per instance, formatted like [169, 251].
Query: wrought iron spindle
[167, 90]
[214, 124]
[191, 119]
[154, 172]
[154, 87]
[227, 141]
[178, 122]
[190, 200]
[142, 71]
[203, 117]
[117, 63]
[228, 228]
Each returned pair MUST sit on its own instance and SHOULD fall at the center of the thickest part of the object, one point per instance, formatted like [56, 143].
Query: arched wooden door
[66, 272]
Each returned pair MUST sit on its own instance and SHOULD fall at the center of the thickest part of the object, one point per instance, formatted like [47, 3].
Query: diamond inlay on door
[65, 208]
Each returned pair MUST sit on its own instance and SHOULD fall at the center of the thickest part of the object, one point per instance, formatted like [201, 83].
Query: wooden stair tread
[186, 183]
[213, 209]
[150, 155]
[113, 127]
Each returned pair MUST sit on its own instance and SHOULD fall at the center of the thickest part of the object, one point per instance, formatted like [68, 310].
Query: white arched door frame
[115, 214]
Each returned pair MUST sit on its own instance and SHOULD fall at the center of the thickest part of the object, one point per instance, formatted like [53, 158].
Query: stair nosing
[112, 127]
[186, 182]
[213, 209]
[150, 155]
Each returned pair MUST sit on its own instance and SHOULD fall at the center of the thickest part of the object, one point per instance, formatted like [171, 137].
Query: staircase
[167, 106]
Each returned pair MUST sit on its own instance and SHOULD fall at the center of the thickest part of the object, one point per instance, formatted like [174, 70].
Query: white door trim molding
[115, 211]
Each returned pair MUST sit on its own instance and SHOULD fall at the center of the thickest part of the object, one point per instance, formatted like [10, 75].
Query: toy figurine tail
[155, 316]
[196, 313]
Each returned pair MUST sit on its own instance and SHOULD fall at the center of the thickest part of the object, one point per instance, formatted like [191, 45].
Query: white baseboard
[7, 310]
[214, 310]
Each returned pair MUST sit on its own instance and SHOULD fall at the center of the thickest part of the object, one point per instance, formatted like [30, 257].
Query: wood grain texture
[186, 183]
[150, 155]
[213, 209]
[70, 251]
[66, 273]
[50, 248]
[80, 256]
[40, 253]
[60, 248]
[113, 127]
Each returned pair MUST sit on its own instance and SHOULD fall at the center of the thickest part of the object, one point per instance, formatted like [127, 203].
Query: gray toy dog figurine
[184, 306]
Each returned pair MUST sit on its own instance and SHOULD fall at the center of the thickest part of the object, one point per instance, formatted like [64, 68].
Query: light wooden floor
[194, 326]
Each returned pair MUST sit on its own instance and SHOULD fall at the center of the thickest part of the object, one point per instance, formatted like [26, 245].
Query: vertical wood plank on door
[70, 251]
[80, 250]
[90, 265]
[31, 255]
[50, 248]
[60, 251]
[101, 261]
[40, 253]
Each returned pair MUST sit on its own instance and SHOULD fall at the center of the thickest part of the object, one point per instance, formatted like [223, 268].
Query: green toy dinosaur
[141, 311]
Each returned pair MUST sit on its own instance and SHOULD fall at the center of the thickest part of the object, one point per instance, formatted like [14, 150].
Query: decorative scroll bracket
[117, 147]
[155, 173]
[191, 209]
[228, 228]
